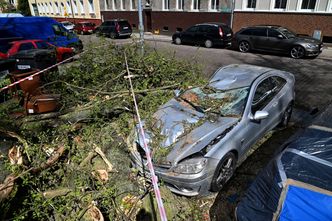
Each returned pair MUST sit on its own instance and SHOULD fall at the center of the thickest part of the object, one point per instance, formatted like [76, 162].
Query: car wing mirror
[259, 115]
[177, 92]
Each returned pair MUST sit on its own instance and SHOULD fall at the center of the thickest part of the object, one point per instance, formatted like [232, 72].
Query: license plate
[228, 34]
[90, 31]
[125, 27]
[23, 67]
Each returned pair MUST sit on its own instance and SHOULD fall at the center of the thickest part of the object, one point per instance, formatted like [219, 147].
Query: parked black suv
[115, 28]
[277, 39]
[207, 34]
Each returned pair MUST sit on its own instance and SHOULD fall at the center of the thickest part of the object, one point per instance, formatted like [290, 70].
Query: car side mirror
[259, 115]
[177, 92]
[280, 37]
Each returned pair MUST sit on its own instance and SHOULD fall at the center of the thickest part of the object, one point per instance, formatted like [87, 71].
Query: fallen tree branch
[50, 161]
[49, 194]
[101, 153]
[20, 139]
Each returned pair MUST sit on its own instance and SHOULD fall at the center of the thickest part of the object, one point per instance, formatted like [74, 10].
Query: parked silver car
[206, 130]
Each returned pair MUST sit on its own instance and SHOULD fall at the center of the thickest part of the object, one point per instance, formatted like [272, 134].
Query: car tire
[178, 41]
[297, 52]
[112, 35]
[208, 43]
[286, 116]
[223, 172]
[244, 46]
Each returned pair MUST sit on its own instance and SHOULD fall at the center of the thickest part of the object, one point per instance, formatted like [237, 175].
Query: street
[313, 89]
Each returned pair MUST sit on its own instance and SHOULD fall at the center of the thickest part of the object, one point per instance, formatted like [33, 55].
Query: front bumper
[182, 184]
[313, 51]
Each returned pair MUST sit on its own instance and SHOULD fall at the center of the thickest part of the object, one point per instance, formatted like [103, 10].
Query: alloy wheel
[297, 52]
[178, 41]
[244, 46]
[208, 43]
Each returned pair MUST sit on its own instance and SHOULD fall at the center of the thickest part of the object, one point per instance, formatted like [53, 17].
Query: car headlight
[310, 46]
[191, 165]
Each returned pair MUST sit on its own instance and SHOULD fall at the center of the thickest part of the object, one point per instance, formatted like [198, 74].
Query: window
[51, 8]
[246, 32]
[26, 46]
[259, 32]
[280, 4]
[62, 8]
[56, 8]
[74, 6]
[192, 29]
[107, 4]
[251, 4]
[273, 33]
[278, 83]
[123, 4]
[91, 6]
[308, 4]
[165, 4]
[180, 4]
[68, 6]
[214, 4]
[81, 6]
[263, 95]
[42, 45]
[133, 4]
[196, 4]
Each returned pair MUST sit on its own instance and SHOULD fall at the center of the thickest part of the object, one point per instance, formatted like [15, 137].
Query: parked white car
[68, 25]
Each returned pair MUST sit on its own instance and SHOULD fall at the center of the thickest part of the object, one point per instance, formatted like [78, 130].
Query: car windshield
[229, 103]
[288, 33]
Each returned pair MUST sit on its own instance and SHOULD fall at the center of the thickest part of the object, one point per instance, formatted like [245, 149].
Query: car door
[277, 41]
[262, 99]
[259, 38]
[202, 34]
[188, 36]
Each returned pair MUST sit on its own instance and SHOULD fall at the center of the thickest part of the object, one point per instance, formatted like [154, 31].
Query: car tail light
[220, 32]
[117, 28]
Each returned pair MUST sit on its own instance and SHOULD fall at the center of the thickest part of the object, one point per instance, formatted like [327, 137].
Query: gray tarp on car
[307, 158]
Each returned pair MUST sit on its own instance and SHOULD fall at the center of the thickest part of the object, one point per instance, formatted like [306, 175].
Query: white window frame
[62, 9]
[177, 5]
[122, 4]
[213, 7]
[113, 5]
[68, 7]
[51, 7]
[131, 5]
[47, 8]
[245, 3]
[74, 6]
[195, 3]
[273, 2]
[56, 8]
[91, 7]
[299, 6]
[81, 3]
[164, 5]
[329, 6]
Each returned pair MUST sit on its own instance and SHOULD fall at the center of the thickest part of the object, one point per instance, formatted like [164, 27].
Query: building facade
[301, 16]
[69, 10]
[168, 16]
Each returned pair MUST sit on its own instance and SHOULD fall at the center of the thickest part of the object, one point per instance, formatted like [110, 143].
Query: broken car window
[211, 100]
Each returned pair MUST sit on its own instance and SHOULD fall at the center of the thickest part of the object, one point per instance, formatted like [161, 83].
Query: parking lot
[313, 93]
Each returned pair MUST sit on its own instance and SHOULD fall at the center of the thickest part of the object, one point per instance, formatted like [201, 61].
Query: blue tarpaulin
[303, 204]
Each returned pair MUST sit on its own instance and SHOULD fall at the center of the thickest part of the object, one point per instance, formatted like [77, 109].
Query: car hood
[304, 39]
[186, 131]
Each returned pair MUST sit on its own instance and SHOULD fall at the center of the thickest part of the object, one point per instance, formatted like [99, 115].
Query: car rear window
[226, 29]
[123, 23]
[42, 45]
[259, 32]
[4, 48]
[26, 46]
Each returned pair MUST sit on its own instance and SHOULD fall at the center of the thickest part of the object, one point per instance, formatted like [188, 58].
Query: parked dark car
[277, 39]
[85, 28]
[207, 34]
[115, 28]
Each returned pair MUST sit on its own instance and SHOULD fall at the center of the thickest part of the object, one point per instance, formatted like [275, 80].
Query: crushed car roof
[236, 76]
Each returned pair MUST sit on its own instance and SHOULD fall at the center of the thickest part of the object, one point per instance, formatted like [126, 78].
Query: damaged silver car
[198, 137]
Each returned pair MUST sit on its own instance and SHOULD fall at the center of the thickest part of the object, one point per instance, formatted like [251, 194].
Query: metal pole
[140, 26]
[232, 13]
